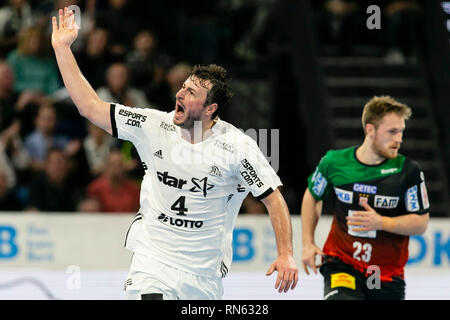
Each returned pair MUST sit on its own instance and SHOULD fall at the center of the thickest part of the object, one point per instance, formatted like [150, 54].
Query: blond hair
[377, 107]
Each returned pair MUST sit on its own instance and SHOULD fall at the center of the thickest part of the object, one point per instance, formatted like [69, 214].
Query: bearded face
[388, 136]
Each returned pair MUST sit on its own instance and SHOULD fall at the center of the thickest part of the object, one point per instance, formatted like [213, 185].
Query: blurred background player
[380, 200]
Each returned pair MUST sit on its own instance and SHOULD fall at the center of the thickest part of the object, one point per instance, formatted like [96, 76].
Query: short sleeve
[416, 195]
[318, 182]
[255, 171]
[129, 123]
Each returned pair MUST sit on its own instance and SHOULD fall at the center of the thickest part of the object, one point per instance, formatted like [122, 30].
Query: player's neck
[198, 133]
[367, 155]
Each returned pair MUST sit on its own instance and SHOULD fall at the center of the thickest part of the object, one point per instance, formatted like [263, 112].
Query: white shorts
[150, 276]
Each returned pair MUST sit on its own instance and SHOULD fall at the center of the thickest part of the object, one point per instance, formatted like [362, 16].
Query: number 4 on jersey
[179, 206]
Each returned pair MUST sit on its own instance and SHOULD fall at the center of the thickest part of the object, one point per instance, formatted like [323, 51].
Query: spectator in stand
[115, 192]
[34, 68]
[13, 156]
[118, 90]
[120, 23]
[13, 18]
[13, 105]
[50, 190]
[43, 138]
[404, 32]
[146, 63]
[97, 146]
[8, 199]
[95, 58]
[339, 22]
[8, 97]
[90, 205]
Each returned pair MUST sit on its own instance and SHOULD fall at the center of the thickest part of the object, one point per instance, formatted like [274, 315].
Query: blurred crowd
[136, 53]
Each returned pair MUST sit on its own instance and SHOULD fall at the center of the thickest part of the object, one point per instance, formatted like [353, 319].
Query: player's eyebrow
[189, 88]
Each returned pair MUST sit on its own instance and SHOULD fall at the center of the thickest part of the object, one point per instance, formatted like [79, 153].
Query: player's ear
[370, 130]
[210, 109]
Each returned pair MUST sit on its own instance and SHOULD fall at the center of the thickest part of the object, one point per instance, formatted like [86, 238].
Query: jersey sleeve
[129, 123]
[319, 184]
[416, 195]
[255, 172]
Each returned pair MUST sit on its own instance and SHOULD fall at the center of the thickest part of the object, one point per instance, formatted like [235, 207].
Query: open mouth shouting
[179, 112]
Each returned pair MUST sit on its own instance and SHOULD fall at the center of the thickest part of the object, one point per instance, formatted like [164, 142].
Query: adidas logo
[158, 154]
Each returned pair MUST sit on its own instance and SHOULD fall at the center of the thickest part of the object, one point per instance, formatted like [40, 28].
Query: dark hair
[220, 91]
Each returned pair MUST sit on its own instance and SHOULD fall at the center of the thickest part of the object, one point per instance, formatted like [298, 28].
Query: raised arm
[83, 95]
[281, 223]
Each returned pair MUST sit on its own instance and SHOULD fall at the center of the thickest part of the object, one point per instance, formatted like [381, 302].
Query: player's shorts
[149, 278]
[343, 282]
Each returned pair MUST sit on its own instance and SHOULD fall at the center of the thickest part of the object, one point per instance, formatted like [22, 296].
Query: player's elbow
[422, 224]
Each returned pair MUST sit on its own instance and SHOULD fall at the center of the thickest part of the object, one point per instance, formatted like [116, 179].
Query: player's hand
[309, 254]
[287, 273]
[365, 220]
[66, 30]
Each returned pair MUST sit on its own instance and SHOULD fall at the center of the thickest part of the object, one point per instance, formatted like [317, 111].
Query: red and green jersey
[393, 188]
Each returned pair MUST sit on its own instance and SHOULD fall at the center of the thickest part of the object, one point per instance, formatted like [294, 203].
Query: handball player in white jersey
[198, 170]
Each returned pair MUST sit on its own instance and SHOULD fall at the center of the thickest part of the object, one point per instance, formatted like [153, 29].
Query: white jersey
[191, 193]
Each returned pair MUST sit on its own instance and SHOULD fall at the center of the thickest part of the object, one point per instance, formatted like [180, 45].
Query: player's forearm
[408, 225]
[81, 92]
[281, 222]
[310, 214]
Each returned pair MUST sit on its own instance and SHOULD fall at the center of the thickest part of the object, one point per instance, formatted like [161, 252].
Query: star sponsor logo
[170, 181]
[201, 185]
[386, 202]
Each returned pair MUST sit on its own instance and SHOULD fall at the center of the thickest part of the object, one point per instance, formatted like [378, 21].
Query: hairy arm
[83, 95]
[281, 223]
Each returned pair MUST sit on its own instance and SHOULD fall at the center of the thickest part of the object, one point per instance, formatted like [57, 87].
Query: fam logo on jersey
[320, 183]
[365, 188]
[344, 195]
[181, 223]
[412, 199]
[249, 174]
[386, 202]
[134, 118]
